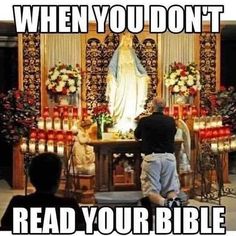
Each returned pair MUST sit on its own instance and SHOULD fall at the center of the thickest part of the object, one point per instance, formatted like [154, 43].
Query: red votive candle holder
[215, 132]
[84, 113]
[184, 111]
[202, 133]
[75, 111]
[166, 111]
[69, 136]
[194, 111]
[227, 131]
[50, 135]
[41, 134]
[59, 136]
[176, 112]
[46, 112]
[33, 133]
[56, 112]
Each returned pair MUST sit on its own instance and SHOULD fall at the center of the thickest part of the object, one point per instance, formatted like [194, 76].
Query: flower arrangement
[224, 103]
[63, 79]
[101, 113]
[183, 79]
[101, 116]
[17, 115]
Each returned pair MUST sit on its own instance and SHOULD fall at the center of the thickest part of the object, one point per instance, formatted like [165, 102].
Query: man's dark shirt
[157, 133]
[42, 200]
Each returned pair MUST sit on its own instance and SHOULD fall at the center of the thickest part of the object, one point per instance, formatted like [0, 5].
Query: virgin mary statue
[127, 85]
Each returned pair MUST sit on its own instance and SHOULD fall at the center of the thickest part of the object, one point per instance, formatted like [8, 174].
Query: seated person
[84, 156]
[44, 172]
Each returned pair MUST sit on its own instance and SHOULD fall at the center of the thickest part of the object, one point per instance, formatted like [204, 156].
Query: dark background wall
[228, 56]
[8, 80]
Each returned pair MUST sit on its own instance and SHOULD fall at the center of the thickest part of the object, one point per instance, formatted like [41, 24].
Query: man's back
[157, 132]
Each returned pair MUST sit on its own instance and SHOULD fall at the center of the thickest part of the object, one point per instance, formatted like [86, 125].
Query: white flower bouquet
[183, 79]
[63, 79]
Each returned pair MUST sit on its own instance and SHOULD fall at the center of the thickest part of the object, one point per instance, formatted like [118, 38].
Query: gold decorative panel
[209, 66]
[31, 73]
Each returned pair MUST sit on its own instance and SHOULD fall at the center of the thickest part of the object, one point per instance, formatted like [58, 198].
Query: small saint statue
[84, 156]
[127, 85]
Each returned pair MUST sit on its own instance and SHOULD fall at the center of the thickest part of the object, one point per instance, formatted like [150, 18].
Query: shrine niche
[98, 56]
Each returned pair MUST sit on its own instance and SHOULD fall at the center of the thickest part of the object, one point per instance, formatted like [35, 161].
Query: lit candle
[41, 134]
[166, 111]
[176, 112]
[84, 113]
[196, 124]
[184, 112]
[75, 112]
[41, 123]
[65, 124]
[69, 136]
[48, 123]
[23, 145]
[233, 143]
[226, 144]
[60, 148]
[219, 121]
[50, 146]
[50, 134]
[32, 145]
[214, 122]
[202, 123]
[221, 145]
[57, 123]
[41, 146]
[46, 112]
[214, 145]
[194, 111]
[33, 133]
[74, 127]
[56, 112]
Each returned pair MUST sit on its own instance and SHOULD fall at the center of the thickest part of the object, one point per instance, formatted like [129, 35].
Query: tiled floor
[229, 202]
